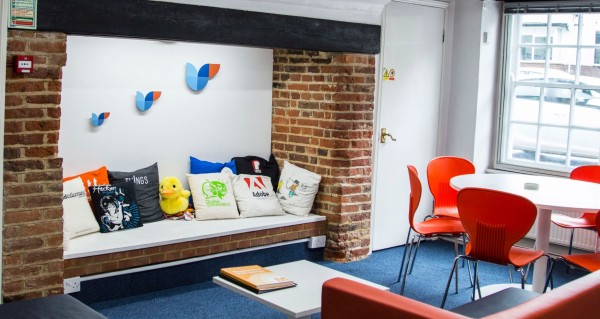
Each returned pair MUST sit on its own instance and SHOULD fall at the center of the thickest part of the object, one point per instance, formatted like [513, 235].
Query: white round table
[552, 193]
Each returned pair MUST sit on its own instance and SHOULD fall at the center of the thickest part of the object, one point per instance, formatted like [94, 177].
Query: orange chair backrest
[587, 173]
[439, 172]
[495, 221]
[415, 193]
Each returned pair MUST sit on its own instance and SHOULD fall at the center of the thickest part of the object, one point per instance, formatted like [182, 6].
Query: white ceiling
[359, 11]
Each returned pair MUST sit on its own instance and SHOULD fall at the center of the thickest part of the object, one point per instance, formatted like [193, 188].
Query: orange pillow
[92, 178]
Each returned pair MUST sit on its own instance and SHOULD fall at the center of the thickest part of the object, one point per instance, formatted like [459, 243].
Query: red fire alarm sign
[23, 64]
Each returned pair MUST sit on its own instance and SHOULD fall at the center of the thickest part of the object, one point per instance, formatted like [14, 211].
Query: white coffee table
[300, 301]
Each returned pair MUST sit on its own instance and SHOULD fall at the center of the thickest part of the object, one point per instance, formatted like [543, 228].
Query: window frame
[511, 39]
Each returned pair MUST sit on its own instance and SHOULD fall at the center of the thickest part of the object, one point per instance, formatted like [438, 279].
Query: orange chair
[495, 221]
[428, 228]
[439, 172]
[589, 262]
[589, 173]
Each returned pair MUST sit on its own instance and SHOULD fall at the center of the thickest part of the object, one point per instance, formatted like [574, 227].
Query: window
[550, 111]
[597, 51]
[530, 52]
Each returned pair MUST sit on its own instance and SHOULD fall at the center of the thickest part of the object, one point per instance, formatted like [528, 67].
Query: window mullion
[538, 144]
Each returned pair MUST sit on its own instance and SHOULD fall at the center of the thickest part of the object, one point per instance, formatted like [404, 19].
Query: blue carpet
[426, 283]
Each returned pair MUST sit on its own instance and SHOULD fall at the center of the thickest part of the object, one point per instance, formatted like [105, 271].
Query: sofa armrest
[347, 299]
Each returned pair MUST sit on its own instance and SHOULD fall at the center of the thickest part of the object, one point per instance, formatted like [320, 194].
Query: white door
[409, 103]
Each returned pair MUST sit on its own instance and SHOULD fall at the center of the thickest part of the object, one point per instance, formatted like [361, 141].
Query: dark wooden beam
[181, 22]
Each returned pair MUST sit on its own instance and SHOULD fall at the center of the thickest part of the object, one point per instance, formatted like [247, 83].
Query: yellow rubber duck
[174, 199]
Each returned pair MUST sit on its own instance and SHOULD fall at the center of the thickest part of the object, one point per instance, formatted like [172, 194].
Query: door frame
[448, 7]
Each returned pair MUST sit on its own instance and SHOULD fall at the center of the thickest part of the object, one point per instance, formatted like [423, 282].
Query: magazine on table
[256, 278]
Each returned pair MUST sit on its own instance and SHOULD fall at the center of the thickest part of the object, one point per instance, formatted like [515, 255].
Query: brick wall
[32, 252]
[323, 121]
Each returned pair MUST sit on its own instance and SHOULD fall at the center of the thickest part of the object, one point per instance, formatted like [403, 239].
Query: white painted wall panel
[230, 117]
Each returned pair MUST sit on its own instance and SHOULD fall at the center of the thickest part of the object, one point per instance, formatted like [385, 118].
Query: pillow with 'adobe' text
[255, 196]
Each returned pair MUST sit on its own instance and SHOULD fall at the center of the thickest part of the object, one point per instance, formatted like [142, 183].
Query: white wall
[471, 110]
[464, 83]
[230, 117]
[489, 63]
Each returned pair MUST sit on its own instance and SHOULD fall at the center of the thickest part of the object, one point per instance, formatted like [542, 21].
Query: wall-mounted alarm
[23, 64]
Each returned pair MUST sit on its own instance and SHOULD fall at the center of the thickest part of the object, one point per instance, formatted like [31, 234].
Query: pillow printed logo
[118, 211]
[256, 166]
[214, 192]
[75, 195]
[257, 186]
[138, 180]
[291, 185]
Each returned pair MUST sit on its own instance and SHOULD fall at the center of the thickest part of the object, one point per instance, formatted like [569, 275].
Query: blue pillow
[203, 167]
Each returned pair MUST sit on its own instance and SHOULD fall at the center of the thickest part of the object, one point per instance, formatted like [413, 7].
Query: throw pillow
[297, 189]
[255, 165]
[91, 178]
[213, 196]
[78, 216]
[115, 207]
[146, 190]
[198, 166]
[255, 196]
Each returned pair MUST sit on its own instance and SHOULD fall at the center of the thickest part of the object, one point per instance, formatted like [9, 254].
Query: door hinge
[443, 35]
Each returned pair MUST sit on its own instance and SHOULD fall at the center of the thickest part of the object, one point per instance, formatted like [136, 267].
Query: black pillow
[115, 207]
[255, 165]
[146, 190]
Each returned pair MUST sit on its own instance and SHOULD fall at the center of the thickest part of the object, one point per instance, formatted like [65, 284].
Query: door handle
[384, 133]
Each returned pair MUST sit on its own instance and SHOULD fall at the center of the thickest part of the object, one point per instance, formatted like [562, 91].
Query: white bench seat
[175, 231]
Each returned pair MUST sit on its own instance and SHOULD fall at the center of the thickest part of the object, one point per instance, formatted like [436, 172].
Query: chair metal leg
[412, 265]
[522, 277]
[478, 286]
[404, 255]
[570, 247]
[527, 271]
[407, 262]
[476, 280]
[454, 265]
[549, 277]
[571, 241]
[456, 268]
[464, 237]
[471, 280]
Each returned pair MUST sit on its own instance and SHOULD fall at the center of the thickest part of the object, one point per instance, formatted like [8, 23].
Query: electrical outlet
[317, 242]
[72, 285]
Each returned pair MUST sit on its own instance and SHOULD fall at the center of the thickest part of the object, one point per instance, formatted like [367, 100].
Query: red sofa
[346, 299]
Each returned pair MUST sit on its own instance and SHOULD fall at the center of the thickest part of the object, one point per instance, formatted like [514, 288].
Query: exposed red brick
[33, 172]
[329, 132]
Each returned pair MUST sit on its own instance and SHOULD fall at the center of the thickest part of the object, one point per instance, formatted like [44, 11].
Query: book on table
[256, 278]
